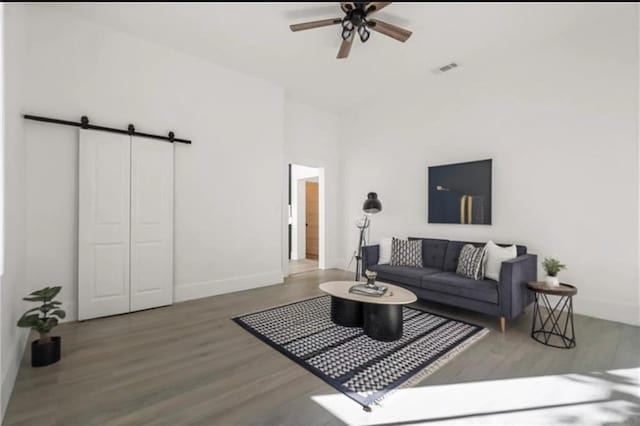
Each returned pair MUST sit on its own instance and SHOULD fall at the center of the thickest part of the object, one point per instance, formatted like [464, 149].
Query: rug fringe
[434, 366]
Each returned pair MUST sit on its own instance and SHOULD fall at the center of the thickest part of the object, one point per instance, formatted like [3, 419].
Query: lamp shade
[372, 204]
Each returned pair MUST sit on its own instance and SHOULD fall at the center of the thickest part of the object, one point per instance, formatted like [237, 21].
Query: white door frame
[322, 231]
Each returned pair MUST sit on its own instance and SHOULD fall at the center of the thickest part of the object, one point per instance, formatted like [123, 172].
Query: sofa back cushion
[433, 251]
[452, 253]
[406, 253]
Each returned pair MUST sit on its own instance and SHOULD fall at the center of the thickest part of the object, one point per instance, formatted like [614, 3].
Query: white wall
[561, 126]
[312, 138]
[14, 286]
[227, 222]
[300, 175]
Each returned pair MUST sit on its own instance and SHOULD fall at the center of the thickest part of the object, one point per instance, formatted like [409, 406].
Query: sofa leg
[503, 324]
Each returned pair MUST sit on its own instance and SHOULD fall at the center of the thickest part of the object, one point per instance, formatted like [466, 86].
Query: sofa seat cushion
[454, 284]
[403, 274]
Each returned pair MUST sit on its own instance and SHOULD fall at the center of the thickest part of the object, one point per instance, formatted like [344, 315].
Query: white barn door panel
[103, 220]
[151, 223]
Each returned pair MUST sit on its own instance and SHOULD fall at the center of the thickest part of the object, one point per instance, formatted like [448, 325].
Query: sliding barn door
[151, 223]
[103, 219]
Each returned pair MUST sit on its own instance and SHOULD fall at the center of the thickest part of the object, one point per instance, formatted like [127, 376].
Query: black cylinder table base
[347, 313]
[379, 321]
[383, 322]
[380, 317]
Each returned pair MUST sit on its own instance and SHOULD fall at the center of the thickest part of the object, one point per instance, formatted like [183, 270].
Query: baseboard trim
[611, 311]
[198, 290]
[333, 264]
[9, 378]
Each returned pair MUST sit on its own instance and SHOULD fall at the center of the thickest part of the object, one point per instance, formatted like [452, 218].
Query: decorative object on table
[460, 193]
[555, 327]
[372, 205]
[471, 262]
[370, 288]
[43, 319]
[362, 368]
[366, 290]
[552, 267]
[406, 253]
[371, 278]
[494, 256]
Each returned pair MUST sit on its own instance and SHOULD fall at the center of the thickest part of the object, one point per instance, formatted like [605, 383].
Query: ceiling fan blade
[375, 6]
[315, 24]
[390, 30]
[345, 48]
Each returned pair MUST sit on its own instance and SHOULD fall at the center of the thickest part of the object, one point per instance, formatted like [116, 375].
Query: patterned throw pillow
[406, 253]
[471, 262]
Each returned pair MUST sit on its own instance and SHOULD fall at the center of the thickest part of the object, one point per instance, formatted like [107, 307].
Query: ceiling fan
[357, 19]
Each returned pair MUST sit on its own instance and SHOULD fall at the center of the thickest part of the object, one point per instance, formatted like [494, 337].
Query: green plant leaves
[46, 316]
[552, 266]
[31, 310]
[59, 313]
[34, 299]
[29, 321]
[44, 295]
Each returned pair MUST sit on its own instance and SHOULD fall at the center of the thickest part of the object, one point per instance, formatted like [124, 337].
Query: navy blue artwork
[460, 193]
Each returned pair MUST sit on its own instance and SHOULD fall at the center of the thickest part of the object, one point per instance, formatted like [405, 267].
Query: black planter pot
[45, 354]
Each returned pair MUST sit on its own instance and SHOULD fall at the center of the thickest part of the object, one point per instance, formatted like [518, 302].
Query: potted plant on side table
[552, 267]
[45, 350]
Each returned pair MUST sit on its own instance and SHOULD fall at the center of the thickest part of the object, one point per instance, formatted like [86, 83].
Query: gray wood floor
[189, 364]
[302, 265]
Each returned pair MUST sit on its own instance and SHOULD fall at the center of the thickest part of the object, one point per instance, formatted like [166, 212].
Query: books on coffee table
[363, 289]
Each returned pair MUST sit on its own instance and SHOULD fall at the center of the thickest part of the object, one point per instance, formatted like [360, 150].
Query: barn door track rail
[130, 130]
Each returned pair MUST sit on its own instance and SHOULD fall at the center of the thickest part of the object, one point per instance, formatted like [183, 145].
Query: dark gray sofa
[437, 280]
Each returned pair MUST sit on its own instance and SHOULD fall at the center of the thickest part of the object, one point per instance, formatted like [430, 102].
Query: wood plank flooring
[302, 265]
[190, 364]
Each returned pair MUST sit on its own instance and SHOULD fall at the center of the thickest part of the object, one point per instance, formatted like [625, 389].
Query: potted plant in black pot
[45, 350]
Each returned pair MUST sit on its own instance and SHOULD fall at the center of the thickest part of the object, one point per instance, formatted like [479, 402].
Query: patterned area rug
[364, 369]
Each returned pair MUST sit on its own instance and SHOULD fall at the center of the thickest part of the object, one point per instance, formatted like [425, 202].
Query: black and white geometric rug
[364, 369]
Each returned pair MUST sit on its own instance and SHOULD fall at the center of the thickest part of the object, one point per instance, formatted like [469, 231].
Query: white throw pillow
[494, 256]
[384, 256]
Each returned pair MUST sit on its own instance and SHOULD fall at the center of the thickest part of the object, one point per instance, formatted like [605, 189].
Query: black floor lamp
[371, 206]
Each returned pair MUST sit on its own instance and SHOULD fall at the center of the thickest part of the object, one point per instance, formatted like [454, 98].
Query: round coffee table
[544, 327]
[380, 317]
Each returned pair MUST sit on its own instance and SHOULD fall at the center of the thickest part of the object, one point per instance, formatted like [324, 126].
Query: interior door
[103, 220]
[151, 223]
[312, 219]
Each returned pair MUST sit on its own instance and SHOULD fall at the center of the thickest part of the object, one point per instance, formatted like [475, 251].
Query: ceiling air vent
[448, 67]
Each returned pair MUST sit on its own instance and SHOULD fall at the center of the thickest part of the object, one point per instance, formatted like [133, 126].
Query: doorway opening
[305, 217]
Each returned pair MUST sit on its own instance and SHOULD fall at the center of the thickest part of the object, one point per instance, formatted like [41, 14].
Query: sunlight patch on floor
[586, 399]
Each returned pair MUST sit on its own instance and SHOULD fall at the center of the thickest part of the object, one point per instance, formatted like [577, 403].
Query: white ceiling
[255, 38]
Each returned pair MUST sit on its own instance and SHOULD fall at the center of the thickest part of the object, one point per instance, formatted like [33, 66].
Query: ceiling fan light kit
[357, 19]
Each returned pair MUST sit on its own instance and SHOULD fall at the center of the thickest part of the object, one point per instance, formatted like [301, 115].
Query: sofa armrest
[513, 294]
[370, 256]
